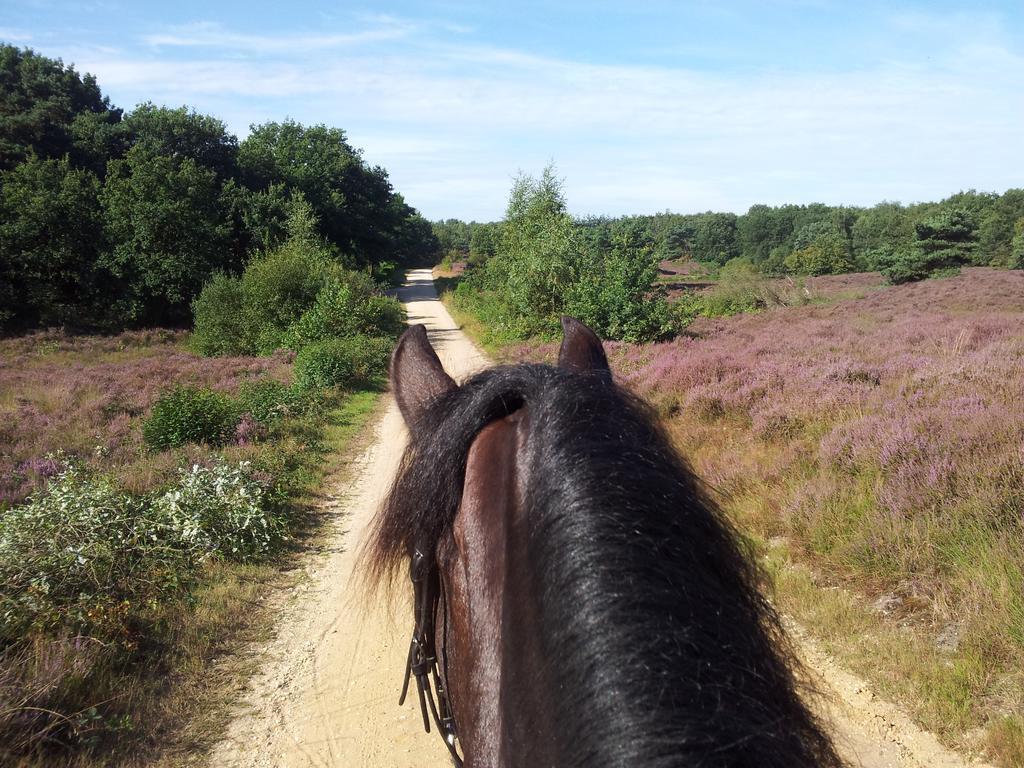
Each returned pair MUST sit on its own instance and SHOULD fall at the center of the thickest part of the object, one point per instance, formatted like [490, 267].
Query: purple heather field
[87, 395]
[882, 436]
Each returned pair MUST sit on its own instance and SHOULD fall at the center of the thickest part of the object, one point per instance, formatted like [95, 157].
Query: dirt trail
[327, 692]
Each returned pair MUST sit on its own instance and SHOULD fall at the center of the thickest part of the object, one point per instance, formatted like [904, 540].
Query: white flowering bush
[221, 509]
[83, 554]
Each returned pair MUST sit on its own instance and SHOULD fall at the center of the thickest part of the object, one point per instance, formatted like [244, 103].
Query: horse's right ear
[417, 376]
[581, 350]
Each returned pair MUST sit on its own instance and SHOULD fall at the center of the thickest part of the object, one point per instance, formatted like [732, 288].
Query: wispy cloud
[10, 35]
[212, 35]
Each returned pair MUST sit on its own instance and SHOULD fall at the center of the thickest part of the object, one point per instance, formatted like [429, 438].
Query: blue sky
[643, 106]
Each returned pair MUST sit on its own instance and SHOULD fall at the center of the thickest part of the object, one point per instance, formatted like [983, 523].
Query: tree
[453, 238]
[819, 249]
[614, 296]
[996, 228]
[183, 133]
[40, 99]
[483, 243]
[539, 252]
[51, 232]
[165, 220]
[352, 200]
[678, 243]
[715, 238]
[763, 228]
[942, 243]
[881, 230]
[1017, 248]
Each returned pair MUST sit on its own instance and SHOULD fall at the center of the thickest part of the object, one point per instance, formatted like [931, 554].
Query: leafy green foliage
[78, 552]
[290, 297]
[164, 215]
[1017, 249]
[343, 362]
[546, 265]
[353, 202]
[741, 287]
[483, 243]
[137, 214]
[190, 415]
[183, 133]
[347, 305]
[942, 244]
[220, 510]
[51, 228]
[818, 250]
[41, 101]
[715, 238]
[218, 311]
[268, 401]
[277, 288]
[84, 556]
[615, 295]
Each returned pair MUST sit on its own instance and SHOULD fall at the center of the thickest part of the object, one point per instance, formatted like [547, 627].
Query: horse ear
[581, 350]
[417, 376]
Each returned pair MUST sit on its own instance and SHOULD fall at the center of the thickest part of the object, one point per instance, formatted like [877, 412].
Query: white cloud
[210, 35]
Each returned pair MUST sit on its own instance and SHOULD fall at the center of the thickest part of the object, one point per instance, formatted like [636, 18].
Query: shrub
[342, 362]
[87, 557]
[268, 401]
[277, 288]
[217, 311]
[347, 306]
[292, 296]
[190, 415]
[614, 296]
[83, 555]
[221, 510]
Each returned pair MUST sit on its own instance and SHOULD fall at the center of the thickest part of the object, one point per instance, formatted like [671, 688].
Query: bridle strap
[421, 662]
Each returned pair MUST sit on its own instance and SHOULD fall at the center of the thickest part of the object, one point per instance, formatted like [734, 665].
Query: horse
[579, 600]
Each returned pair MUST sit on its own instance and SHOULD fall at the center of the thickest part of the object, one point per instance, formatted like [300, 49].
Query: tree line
[905, 242]
[111, 219]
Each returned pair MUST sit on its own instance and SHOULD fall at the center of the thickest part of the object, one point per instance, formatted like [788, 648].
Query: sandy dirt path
[327, 691]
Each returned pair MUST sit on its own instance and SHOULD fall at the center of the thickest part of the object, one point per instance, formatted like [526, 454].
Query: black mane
[664, 652]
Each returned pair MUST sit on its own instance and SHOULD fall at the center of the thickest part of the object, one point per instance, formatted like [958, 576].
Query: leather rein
[422, 662]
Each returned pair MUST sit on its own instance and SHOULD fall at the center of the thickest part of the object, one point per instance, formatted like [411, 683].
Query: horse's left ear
[581, 350]
[417, 376]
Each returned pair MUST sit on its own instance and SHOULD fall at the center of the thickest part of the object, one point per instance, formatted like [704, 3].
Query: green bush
[190, 415]
[614, 295]
[83, 555]
[347, 305]
[292, 296]
[277, 289]
[221, 510]
[342, 362]
[942, 244]
[268, 401]
[217, 311]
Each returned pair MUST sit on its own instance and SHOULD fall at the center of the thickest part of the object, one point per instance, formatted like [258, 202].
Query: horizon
[688, 108]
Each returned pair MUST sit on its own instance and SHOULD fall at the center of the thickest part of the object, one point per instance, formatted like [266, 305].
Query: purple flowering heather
[87, 395]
